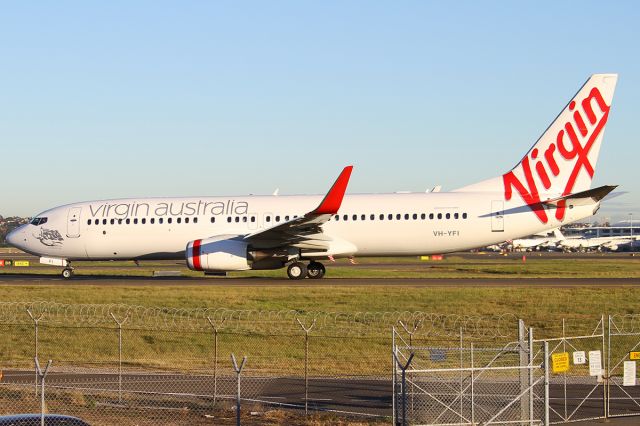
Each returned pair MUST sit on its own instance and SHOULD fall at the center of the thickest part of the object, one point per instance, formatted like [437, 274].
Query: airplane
[544, 241]
[590, 243]
[549, 187]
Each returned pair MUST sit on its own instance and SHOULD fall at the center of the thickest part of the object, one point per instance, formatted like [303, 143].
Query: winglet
[332, 201]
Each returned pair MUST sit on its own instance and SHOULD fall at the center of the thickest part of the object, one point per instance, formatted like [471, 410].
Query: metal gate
[470, 385]
[624, 351]
[577, 391]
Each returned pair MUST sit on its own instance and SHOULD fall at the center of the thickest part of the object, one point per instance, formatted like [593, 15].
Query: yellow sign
[560, 362]
[633, 356]
[20, 263]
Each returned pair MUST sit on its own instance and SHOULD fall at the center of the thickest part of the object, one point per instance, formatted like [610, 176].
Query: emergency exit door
[497, 216]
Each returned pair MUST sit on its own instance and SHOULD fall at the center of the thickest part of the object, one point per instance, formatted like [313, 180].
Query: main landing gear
[298, 270]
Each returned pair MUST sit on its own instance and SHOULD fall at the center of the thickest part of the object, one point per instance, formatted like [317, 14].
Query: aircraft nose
[16, 237]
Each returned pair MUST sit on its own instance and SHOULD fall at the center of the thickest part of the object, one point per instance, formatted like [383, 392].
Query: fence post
[215, 326]
[35, 341]
[546, 383]
[120, 323]
[416, 324]
[473, 413]
[461, 379]
[404, 368]
[238, 372]
[306, 361]
[42, 375]
[531, 355]
[605, 375]
[393, 375]
[524, 405]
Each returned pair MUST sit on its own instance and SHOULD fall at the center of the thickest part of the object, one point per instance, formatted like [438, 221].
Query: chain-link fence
[120, 364]
[136, 365]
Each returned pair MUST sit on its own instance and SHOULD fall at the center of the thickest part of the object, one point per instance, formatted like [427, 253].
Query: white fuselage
[375, 224]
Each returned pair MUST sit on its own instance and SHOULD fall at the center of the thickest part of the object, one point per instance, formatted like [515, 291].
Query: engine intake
[220, 253]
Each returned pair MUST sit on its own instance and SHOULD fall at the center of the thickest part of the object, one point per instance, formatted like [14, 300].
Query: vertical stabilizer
[563, 159]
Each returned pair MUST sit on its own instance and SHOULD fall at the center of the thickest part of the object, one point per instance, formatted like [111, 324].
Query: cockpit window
[37, 221]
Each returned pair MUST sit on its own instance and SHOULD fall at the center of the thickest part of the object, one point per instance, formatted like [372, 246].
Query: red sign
[1, 263]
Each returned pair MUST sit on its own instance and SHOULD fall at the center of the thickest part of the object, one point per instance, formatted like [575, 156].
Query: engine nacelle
[219, 253]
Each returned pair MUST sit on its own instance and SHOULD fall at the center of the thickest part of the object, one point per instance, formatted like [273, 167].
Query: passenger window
[406, 216]
[390, 216]
[195, 220]
[398, 216]
[229, 219]
[213, 219]
[253, 219]
[113, 221]
[237, 219]
[89, 222]
[97, 222]
[372, 217]
[448, 216]
[286, 218]
[423, 216]
[179, 220]
[153, 220]
[135, 221]
[169, 220]
[119, 221]
[455, 215]
[415, 216]
[431, 216]
[144, 221]
[128, 221]
[268, 218]
[363, 217]
[277, 218]
[345, 217]
[439, 215]
[160, 221]
[337, 218]
[464, 215]
[244, 219]
[186, 220]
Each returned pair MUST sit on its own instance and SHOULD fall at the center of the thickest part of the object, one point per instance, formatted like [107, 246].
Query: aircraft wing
[305, 231]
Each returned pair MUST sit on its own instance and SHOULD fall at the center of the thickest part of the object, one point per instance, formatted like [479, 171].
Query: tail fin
[563, 159]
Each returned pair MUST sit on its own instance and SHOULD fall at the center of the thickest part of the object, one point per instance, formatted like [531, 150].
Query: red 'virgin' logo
[570, 150]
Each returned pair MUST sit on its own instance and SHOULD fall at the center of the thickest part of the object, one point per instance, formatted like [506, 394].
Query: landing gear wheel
[67, 273]
[315, 270]
[297, 271]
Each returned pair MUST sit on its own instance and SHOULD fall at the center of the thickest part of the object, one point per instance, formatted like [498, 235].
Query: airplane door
[497, 216]
[73, 222]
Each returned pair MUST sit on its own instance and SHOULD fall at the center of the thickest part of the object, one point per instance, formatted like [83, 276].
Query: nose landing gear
[67, 273]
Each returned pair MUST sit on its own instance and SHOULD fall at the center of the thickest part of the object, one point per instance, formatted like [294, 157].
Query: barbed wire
[629, 323]
[262, 321]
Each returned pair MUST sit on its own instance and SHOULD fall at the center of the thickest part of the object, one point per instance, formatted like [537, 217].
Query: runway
[107, 280]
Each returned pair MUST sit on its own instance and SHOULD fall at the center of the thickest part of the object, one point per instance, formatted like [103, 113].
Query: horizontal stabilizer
[584, 197]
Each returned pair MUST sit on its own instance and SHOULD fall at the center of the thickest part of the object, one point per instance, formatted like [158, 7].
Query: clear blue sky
[126, 99]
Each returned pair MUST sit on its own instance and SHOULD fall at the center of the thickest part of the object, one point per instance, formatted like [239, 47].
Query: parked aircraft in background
[549, 187]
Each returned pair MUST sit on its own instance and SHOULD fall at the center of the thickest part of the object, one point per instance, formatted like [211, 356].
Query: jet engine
[219, 253]
[232, 253]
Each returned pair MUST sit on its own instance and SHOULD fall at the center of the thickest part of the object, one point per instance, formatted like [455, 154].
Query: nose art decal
[49, 237]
